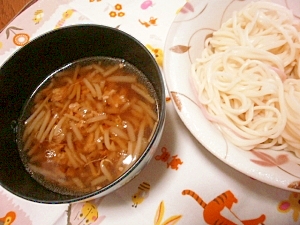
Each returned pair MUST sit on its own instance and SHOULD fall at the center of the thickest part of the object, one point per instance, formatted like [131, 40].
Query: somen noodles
[247, 78]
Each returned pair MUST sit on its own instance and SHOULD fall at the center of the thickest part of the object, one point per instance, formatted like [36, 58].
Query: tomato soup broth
[87, 124]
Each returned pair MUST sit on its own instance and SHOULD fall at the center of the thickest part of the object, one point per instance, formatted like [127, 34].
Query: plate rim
[256, 172]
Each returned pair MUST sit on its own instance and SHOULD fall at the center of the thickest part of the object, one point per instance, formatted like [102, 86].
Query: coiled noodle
[247, 79]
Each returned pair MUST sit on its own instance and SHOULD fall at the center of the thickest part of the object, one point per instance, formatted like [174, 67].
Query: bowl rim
[121, 180]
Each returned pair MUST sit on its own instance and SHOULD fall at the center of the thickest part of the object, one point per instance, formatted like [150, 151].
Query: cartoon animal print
[8, 219]
[117, 11]
[11, 213]
[19, 38]
[160, 212]
[38, 16]
[174, 163]
[293, 203]
[146, 4]
[158, 53]
[141, 194]
[66, 15]
[166, 156]
[84, 213]
[213, 210]
[151, 22]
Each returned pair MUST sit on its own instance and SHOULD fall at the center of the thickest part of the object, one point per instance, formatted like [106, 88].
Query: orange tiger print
[212, 210]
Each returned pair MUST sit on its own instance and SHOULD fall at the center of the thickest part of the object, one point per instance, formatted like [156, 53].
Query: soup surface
[87, 124]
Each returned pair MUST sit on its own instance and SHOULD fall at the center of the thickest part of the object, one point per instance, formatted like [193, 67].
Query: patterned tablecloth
[180, 165]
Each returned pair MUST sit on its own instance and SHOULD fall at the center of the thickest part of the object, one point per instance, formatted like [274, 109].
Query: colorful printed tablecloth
[184, 183]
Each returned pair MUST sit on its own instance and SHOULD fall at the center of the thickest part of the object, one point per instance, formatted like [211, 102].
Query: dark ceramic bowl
[28, 67]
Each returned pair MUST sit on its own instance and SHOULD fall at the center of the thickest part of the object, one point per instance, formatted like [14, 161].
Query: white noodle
[98, 68]
[92, 128]
[130, 131]
[78, 182]
[125, 107]
[50, 126]
[107, 139]
[142, 93]
[93, 169]
[46, 173]
[72, 117]
[36, 112]
[33, 150]
[140, 136]
[137, 108]
[96, 118]
[76, 71]
[98, 180]
[119, 132]
[148, 110]
[90, 87]
[56, 130]
[71, 158]
[69, 141]
[28, 142]
[98, 91]
[111, 70]
[65, 106]
[104, 169]
[44, 125]
[74, 91]
[76, 131]
[34, 124]
[78, 91]
[122, 79]
[242, 78]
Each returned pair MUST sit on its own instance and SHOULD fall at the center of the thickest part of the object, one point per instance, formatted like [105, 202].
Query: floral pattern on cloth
[159, 194]
[11, 213]
[85, 213]
[160, 219]
[38, 20]
[141, 194]
[218, 210]
[291, 204]
[150, 19]
[15, 36]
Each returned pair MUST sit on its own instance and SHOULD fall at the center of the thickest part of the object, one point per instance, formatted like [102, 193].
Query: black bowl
[28, 67]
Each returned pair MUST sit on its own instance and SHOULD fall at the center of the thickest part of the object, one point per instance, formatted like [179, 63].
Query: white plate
[184, 42]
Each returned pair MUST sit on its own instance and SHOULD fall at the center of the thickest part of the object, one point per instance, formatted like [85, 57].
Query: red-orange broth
[87, 124]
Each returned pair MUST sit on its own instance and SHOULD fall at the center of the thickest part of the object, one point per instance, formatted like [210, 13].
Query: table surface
[9, 9]
[181, 165]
